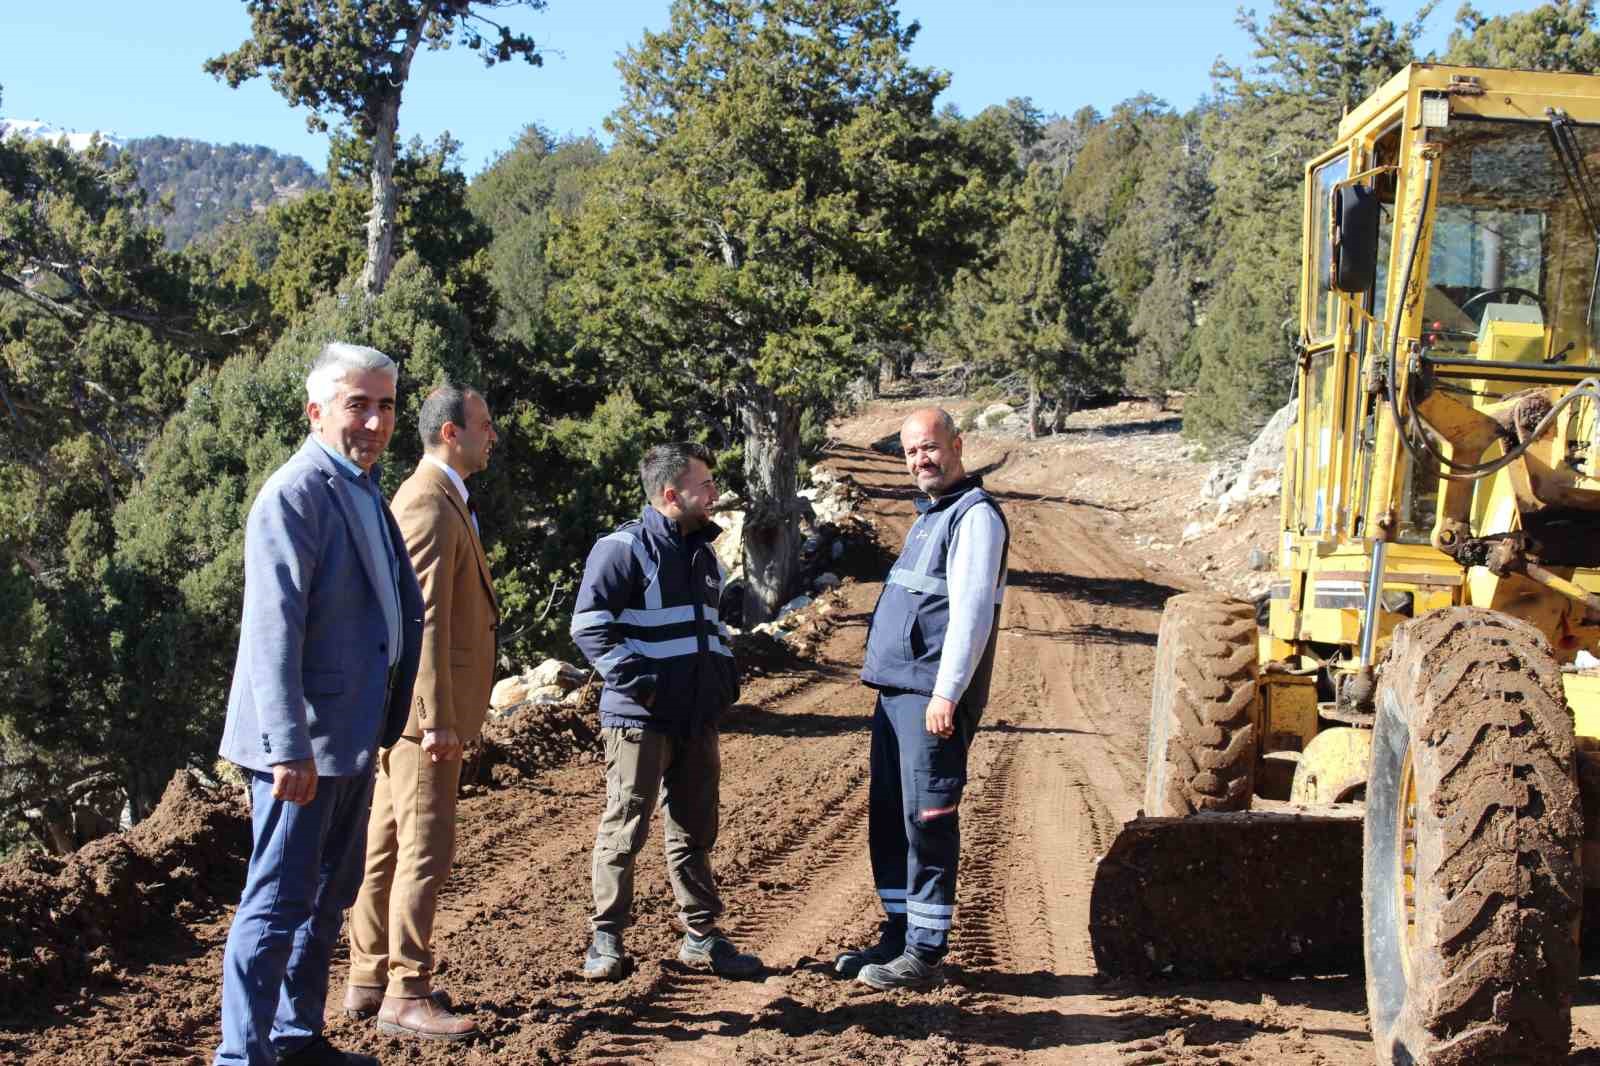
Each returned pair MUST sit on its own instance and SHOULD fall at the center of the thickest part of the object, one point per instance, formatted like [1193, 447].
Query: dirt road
[1057, 766]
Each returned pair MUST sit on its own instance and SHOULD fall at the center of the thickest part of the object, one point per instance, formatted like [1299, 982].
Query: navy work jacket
[646, 619]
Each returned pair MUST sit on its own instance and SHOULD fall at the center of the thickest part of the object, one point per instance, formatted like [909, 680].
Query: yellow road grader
[1390, 768]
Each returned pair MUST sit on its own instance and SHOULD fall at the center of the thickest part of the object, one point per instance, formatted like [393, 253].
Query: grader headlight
[1435, 111]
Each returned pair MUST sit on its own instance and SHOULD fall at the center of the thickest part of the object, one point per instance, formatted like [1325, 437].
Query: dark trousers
[305, 870]
[913, 825]
[686, 773]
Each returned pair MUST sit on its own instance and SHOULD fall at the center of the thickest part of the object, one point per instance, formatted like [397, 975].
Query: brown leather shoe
[423, 1017]
[362, 1001]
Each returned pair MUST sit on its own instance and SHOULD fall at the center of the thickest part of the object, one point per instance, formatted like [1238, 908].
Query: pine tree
[1171, 219]
[780, 198]
[1314, 61]
[353, 61]
[1556, 36]
[1042, 312]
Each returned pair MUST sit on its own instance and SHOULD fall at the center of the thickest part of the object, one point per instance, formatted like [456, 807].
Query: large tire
[1473, 805]
[1202, 751]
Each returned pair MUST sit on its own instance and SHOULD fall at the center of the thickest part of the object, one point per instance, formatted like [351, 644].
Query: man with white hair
[328, 650]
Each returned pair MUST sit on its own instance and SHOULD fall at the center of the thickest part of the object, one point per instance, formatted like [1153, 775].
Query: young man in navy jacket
[646, 619]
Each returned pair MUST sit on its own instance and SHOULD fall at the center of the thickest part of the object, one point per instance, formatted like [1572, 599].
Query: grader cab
[1393, 770]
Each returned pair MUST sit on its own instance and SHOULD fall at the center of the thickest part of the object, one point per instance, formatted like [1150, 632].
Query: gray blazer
[312, 677]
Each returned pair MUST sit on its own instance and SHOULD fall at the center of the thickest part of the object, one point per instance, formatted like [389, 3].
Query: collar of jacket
[950, 495]
[660, 524]
[326, 460]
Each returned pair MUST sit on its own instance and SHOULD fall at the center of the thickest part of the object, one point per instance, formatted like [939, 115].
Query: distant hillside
[212, 183]
[209, 183]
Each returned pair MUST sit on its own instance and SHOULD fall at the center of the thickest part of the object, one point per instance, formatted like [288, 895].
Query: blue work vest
[906, 638]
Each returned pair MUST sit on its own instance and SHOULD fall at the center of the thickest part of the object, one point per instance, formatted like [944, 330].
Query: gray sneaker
[907, 971]
[605, 959]
[891, 942]
[717, 954]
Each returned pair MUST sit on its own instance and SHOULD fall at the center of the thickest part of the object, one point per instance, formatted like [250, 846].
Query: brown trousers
[685, 774]
[411, 840]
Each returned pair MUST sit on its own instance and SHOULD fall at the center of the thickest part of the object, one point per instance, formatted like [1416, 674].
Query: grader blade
[1231, 894]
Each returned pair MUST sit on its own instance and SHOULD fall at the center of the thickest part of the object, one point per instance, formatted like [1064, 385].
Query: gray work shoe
[907, 971]
[605, 959]
[716, 953]
[891, 942]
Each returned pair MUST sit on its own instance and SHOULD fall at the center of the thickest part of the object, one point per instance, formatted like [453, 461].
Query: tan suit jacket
[461, 614]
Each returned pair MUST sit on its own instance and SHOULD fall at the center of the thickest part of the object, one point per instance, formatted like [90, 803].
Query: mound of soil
[537, 738]
[65, 922]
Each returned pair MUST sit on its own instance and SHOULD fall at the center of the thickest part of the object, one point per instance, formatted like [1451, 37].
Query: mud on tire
[1473, 805]
[1202, 751]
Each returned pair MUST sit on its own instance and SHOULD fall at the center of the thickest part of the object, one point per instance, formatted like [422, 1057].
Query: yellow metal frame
[1316, 607]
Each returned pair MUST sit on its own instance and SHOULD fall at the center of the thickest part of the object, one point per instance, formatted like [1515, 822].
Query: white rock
[1219, 480]
[821, 475]
[509, 690]
[555, 672]
[729, 544]
[1193, 531]
[1272, 486]
[832, 503]
[1264, 460]
[998, 410]
[798, 603]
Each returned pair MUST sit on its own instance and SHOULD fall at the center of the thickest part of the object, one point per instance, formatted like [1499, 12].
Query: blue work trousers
[913, 824]
[305, 871]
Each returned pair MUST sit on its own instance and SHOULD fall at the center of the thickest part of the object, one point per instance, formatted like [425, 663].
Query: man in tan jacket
[412, 831]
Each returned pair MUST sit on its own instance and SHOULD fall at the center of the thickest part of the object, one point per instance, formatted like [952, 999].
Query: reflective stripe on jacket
[906, 637]
[646, 618]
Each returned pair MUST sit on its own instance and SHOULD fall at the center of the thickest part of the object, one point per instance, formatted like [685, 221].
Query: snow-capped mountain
[38, 130]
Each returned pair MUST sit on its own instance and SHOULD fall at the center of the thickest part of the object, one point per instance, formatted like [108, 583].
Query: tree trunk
[1065, 404]
[386, 123]
[772, 522]
[1033, 410]
[380, 221]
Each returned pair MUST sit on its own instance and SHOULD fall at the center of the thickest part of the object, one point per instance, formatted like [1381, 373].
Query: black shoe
[891, 942]
[907, 971]
[717, 954]
[605, 959]
[321, 1053]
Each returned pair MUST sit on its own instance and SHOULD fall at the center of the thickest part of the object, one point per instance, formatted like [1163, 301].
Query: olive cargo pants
[685, 773]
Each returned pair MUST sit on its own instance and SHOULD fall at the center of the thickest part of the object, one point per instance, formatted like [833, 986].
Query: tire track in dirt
[1043, 816]
[817, 850]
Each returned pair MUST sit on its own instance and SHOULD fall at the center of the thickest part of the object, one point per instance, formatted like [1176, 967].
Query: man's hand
[295, 781]
[941, 717]
[442, 745]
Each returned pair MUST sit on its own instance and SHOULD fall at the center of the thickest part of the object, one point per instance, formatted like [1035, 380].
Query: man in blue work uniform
[646, 619]
[930, 653]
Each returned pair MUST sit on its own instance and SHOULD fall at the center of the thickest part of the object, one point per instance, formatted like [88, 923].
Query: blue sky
[133, 68]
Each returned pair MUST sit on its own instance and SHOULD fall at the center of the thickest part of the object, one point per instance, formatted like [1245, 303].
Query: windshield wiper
[1564, 139]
